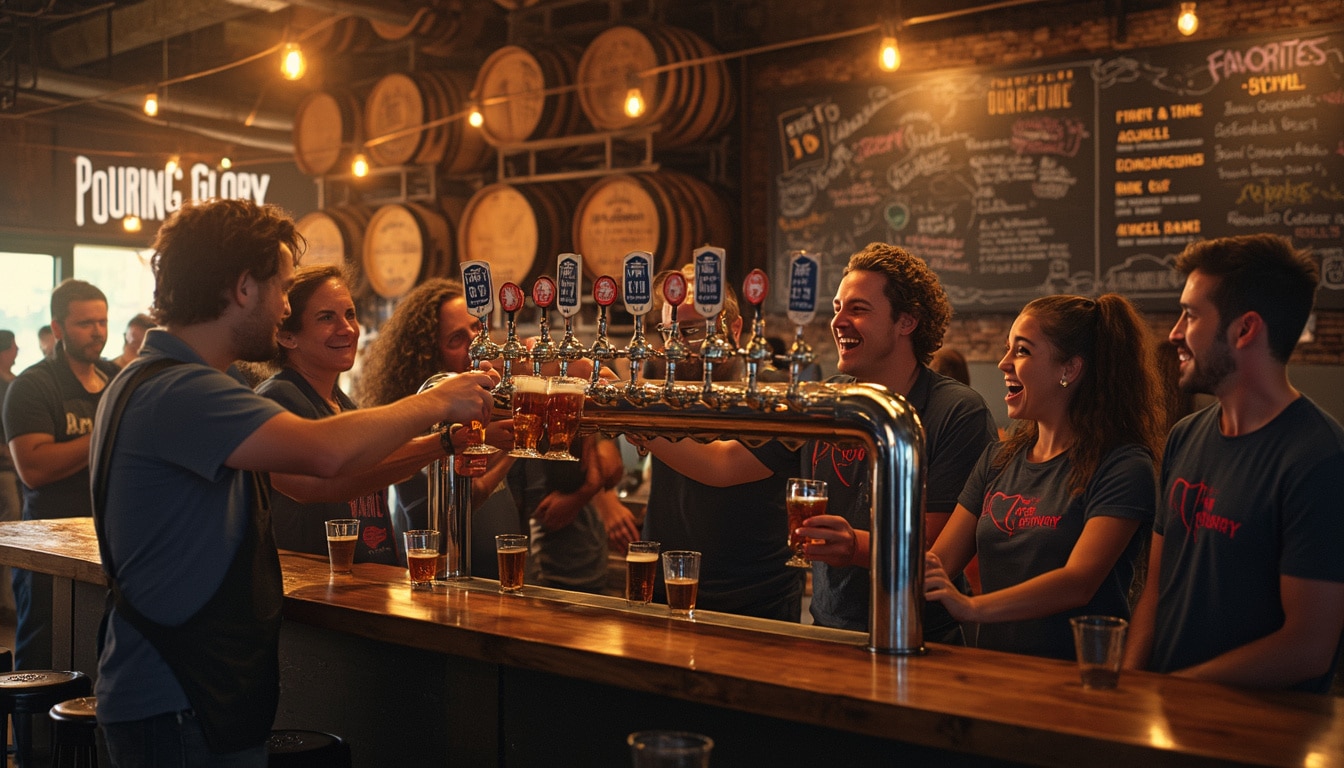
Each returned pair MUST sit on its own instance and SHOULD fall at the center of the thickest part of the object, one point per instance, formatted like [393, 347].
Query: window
[25, 301]
[125, 276]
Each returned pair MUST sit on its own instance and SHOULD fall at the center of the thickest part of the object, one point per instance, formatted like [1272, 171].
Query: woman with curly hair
[1056, 512]
[429, 333]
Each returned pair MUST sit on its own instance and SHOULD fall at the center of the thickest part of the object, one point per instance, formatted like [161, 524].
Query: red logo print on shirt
[840, 457]
[1194, 502]
[374, 537]
[1013, 512]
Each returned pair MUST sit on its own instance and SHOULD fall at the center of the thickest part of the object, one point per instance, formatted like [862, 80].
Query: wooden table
[533, 672]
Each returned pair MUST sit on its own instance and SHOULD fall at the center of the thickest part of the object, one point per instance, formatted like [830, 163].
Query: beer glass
[529, 415]
[681, 576]
[422, 557]
[641, 568]
[564, 409]
[512, 551]
[341, 536]
[476, 445]
[806, 498]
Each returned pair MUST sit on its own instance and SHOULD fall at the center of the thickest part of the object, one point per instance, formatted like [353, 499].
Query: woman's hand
[939, 586]
[830, 539]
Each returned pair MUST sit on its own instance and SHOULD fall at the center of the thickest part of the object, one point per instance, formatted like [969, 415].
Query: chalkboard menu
[1081, 177]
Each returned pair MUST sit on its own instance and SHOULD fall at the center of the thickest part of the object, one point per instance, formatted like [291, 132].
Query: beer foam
[569, 384]
[529, 384]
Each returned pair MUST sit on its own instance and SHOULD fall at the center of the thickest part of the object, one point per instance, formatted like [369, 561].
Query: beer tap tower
[864, 413]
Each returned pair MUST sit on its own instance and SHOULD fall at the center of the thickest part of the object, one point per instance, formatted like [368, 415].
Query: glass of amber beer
[564, 409]
[341, 537]
[422, 557]
[512, 551]
[681, 576]
[806, 498]
[641, 568]
[529, 415]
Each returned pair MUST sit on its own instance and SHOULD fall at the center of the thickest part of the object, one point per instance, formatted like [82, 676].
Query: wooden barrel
[448, 27]
[519, 229]
[401, 105]
[336, 236]
[689, 104]
[518, 79]
[315, 30]
[667, 213]
[328, 131]
[406, 243]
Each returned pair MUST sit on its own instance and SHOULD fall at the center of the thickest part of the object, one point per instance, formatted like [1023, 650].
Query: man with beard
[697, 501]
[1245, 582]
[48, 415]
[189, 667]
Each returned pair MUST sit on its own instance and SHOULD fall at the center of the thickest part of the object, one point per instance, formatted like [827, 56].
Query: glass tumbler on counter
[641, 569]
[422, 557]
[512, 551]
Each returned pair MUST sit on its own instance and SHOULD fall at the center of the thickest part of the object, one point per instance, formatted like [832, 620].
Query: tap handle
[674, 350]
[604, 295]
[543, 295]
[480, 298]
[569, 283]
[755, 288]
[804, 279]
[511, 299]
[637, 276]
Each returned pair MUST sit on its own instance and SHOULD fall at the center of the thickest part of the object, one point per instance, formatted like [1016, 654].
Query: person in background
[133, 339]
[11, 503]
[951, 364]
[890, 316]
[188, 672]
[699, 500]
[429, 333]
[1055, 512]
[778, 369]
[315, 345]
[46, 341]
[1246, 582]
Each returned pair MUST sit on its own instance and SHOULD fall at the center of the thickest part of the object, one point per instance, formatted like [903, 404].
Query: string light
[1187, 22]
[475, 119]
[225, 163]
[131, 223]
[292, 62]
[634, 102]
[171, 166]
[889, 59]
[360, 166]
[151, 104]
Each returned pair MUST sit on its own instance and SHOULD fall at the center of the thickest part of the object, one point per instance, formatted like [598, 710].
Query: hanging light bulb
[171, 166]
[292, 62]
[131, 223]
[634, 102]
[889, 58]
[225, 163]
[475, 119]
[1187, 22]
[151, 104]
[360, 166]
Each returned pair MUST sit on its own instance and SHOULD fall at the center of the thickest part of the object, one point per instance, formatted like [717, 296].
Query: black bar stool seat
[306, 749]
[30, 692]
[73, 725]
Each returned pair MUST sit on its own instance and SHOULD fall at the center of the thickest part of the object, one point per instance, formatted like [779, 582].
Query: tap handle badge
[755, 288]
[476, 284]
[511, 297]
[674, 290]
[804, 278]
[604, 291]
[543, 292]
[569, 282]
[708, 262]
[638, 275]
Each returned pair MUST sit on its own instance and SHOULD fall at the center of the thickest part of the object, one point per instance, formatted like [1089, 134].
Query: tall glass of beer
[564, 409]
[529, 415]
[341, 537]
[641, 568]
[512, 551]
[681, 576]
[805, 499]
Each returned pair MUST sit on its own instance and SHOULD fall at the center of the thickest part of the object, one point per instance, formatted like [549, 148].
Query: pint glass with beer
[564, 410]
[512, 551]
[529, 415]
[641, 568]
[805, 499]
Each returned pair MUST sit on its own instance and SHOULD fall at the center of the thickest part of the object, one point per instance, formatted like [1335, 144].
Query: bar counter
[559, 678]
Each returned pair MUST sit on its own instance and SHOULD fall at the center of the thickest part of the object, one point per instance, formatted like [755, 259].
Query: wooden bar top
[1000, 705]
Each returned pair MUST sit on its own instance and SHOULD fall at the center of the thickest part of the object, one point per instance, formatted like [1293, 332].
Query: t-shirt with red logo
[1236, 514]
[1028, 525]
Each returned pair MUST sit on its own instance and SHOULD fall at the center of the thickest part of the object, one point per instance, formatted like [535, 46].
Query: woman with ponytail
[1057, 512]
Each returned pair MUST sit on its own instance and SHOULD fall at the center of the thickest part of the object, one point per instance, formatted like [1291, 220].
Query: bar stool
[29, 692]
[73, 725]
[306, 749]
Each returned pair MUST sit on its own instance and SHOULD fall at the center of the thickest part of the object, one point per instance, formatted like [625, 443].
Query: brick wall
[1002, 39]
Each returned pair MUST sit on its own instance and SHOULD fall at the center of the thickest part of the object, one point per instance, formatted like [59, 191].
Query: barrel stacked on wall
[335, 236]
[328, 131]
[407, 243]
[447, 27]
[519, 229]
[666, 213]
[527, 93]
[415, 119]
[688, 103]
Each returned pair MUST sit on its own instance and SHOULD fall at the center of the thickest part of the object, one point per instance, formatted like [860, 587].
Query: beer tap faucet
[568, 278]
[708, 298]
[674, 349]
[476, 284]
[755, 288]
[804, 276]
[637, 271]
[602, 352]
[544, 351]
[511, 299]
